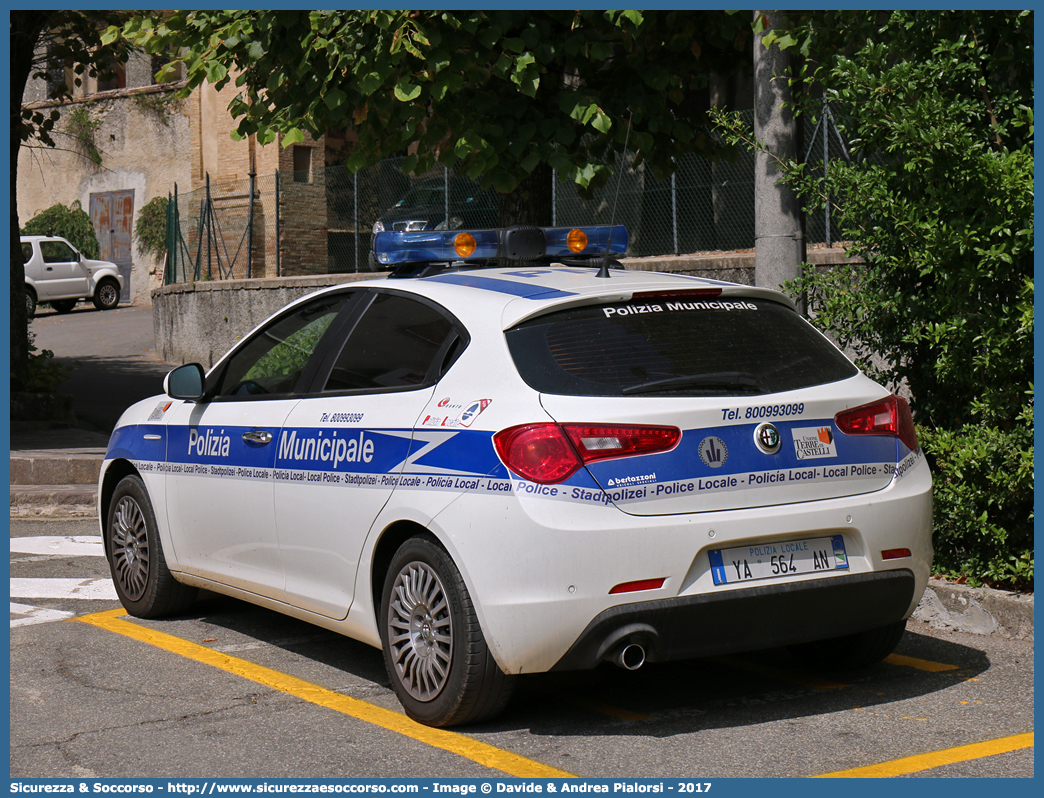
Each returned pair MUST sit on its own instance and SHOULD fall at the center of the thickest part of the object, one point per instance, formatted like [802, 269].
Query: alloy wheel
[420, 631]
[130, 548]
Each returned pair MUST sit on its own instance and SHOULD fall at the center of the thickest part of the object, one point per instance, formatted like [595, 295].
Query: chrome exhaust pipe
[629, 657]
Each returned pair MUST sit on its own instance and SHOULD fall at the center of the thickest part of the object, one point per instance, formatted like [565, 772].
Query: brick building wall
[302, 212]
[303, 208]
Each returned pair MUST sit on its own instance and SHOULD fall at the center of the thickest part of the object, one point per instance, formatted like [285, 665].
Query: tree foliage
[71, 222]
[942, 218]
[43, 43]
[503, 91]
[150, 229]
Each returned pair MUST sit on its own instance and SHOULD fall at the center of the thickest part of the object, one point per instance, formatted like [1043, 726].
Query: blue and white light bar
[394, 248]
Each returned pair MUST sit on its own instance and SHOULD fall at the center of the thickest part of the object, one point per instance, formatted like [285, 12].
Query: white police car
[490, 471]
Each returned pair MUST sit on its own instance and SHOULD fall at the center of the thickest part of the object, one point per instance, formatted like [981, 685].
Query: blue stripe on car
[471, 452]
[525, 290]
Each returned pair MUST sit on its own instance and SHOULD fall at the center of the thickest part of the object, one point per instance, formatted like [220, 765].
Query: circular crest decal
[713, 452]
[767, 438]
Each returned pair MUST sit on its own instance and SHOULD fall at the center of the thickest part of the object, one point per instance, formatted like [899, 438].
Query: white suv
[56, 273]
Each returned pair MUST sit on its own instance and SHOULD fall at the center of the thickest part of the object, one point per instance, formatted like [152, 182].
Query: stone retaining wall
[199, 322]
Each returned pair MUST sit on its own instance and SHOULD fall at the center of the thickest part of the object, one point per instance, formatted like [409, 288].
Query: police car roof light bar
[416, 253]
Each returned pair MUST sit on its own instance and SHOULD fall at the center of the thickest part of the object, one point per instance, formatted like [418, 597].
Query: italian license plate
[774, 560]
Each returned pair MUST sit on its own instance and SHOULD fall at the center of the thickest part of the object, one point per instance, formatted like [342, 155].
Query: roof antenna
[604, 271]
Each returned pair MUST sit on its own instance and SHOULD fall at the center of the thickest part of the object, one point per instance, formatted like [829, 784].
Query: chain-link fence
[824, 143]
[321, 221]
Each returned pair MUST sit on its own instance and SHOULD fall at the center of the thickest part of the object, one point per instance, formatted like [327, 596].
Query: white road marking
[64, 546]
[46, 547]
[31, 615]
[101, 589]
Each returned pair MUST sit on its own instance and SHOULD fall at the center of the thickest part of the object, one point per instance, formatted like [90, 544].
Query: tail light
[894, 554]
[889, 416]
[641, 584]
[548, 453]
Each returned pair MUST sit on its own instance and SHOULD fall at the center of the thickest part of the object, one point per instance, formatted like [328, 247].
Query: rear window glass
[726, 347]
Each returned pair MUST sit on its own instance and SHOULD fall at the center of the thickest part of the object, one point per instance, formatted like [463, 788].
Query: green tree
[150, 230]
[70, 222]
[938, 203]
[512, 94]
[43, 44]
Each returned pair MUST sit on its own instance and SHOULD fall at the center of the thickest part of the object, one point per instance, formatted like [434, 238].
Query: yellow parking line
[920, 664]
[486, 755]
[777, 673]
[915, 764]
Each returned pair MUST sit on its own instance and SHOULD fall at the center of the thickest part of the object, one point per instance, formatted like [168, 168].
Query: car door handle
[258, 436]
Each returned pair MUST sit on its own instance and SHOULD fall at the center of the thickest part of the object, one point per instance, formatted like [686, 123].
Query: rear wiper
[717, 379]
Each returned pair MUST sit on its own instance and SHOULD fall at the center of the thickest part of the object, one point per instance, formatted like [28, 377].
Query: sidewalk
[54, 472]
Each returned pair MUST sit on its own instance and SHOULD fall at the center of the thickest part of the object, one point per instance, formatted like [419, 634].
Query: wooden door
[112, 213]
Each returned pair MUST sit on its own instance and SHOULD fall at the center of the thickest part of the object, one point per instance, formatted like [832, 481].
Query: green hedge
[70, 222]
[983, 492]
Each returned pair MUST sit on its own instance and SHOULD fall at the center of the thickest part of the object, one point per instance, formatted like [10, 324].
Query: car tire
[107, 295]
[63, 305]
[371, 263]
[436, 656]
[144, 584]
[30, 303]
[851, 651]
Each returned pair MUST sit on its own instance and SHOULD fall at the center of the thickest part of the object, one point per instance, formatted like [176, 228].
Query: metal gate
[112, 214]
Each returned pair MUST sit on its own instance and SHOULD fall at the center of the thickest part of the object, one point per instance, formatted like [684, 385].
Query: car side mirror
[185, 382]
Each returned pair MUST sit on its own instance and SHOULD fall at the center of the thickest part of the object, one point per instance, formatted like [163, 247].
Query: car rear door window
[737, 347]
[398, 343]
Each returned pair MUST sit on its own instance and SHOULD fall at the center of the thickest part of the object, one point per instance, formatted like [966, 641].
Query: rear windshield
[726, 347]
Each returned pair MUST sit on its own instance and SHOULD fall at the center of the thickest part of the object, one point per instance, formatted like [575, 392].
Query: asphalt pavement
[112, 355]
[54, 472]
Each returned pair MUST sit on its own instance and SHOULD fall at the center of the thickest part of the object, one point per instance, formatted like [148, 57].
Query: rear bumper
[747, 619]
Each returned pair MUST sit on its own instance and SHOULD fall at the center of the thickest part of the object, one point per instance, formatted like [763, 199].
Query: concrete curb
[976, 610]
[71, 467]
[54, 511]
[25, 497]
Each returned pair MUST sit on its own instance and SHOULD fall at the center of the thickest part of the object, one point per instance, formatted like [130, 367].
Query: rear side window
[27, 253]
[394, 345]
[727, 347]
